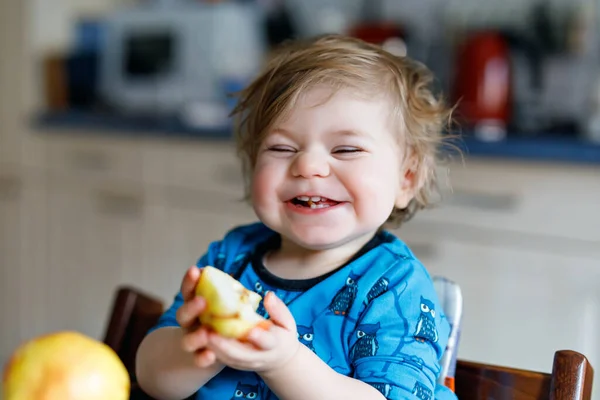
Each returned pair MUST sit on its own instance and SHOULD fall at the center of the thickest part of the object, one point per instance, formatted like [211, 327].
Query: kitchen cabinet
[96, 212]
[100, 159]
[537, 199]
[85, 257]
[521, 305]
[191, 221]
[194, 165]
[23, 249]
[65, 245]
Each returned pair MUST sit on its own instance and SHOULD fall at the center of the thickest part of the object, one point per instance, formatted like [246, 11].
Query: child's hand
[264, 350]
[195, 337]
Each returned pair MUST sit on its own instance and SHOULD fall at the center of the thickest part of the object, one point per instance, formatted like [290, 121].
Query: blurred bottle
[482, 84]
[375, 28]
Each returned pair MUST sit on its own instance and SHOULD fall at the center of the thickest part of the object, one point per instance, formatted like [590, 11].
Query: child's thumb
[279, 313]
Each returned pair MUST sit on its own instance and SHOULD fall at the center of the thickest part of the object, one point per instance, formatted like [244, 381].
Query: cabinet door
[22, 258]
[94, 245]
[197, 165]
[189, 222]
[521, 305]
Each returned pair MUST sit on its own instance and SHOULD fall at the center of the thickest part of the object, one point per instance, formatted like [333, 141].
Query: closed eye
[346, 150]
[281, 149]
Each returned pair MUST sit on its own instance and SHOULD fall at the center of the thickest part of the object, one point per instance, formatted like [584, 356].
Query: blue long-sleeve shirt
[377, 318]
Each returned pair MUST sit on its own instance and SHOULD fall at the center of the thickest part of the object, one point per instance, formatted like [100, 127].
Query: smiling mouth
[313, 202]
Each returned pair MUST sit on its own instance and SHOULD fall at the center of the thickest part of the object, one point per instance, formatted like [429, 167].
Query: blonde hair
[344, 62]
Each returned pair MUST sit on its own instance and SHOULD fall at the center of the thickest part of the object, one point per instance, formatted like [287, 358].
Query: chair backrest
[571, 379]
[451, 300]
[133, 314]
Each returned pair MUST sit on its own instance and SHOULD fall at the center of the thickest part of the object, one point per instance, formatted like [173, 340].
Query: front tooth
[303, 198]
[316, 199]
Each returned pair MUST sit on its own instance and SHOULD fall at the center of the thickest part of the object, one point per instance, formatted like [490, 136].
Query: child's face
[342, 151]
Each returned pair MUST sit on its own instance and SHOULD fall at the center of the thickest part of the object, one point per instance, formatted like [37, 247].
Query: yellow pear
[230, 307]
[65, 366]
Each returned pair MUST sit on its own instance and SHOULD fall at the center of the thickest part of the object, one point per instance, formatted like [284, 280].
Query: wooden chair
[134, 312]
[571, 379]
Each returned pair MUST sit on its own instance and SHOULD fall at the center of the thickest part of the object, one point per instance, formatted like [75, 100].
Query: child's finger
[190, 280]
[279, 313]
[262, 339]
[231, 350]
[205, 358]
[188, 313]
[195, 340]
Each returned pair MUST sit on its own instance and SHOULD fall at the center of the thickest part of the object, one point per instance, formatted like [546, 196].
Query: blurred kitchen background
[117, 164]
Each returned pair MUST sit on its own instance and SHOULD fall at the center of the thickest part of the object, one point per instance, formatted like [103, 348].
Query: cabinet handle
[89, 160]
[10, 187]
[483, 201]
[119, 204]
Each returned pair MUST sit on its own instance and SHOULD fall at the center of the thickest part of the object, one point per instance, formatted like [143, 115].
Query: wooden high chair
[134, 312]
[571, 379]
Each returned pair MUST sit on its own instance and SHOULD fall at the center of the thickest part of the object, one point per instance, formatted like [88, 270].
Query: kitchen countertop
[561, 148]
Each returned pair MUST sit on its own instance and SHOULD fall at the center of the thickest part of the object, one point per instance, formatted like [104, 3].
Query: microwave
[181, 60]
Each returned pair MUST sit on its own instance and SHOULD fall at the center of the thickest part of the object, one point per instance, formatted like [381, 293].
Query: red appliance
[482, 85]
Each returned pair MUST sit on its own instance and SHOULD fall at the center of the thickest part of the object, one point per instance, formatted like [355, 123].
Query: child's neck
[291, 261]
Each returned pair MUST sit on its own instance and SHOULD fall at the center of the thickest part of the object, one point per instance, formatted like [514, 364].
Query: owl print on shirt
[245, 392]
[366, 344]
[306, 336]
[426, 329]
[344, 298]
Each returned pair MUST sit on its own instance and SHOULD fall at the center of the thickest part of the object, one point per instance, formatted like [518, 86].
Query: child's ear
[406, 191]
[408, 184]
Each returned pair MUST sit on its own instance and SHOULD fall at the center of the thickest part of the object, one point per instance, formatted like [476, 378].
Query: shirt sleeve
[401, 336]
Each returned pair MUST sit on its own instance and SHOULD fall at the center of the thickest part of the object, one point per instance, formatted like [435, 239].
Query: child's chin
[319, 241]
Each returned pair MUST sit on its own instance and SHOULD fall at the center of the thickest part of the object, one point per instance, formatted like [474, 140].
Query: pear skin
[65, 366]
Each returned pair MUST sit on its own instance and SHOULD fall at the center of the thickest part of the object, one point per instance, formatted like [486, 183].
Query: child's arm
[172, 361]
[306, 376]
[165, 371]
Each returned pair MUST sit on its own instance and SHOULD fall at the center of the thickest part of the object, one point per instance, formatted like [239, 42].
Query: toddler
[338, 140]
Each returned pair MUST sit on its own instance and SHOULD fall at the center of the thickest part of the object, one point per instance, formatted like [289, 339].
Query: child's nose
[310, 164]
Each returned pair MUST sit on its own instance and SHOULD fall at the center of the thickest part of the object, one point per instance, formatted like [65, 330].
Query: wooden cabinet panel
[95, 157]
[23, 258]
[551, 200]
[198, 165]
[520, 305]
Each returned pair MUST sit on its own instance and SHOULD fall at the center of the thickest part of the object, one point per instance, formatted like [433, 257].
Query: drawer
[195, 165]
[542, 199]
[94, 157]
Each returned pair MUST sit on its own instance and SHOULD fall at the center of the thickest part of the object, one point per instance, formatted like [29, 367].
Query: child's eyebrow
[280, 131]
[353, 133]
